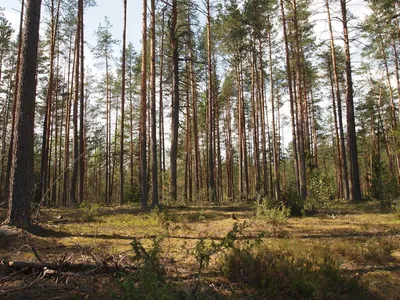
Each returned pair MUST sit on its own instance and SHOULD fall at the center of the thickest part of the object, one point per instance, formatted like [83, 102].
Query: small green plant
[276, 216]
[292, 199]
[320, 192]
[205, 250]
[202, 216]
[89, 211]
[148, 282]
[159, 215]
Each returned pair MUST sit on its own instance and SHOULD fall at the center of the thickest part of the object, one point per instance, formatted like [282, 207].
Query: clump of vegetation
[320, 192]
[160, 215]
[281, 275]
[376, 250]
[292, 199]
[148, 282]
[396, 209]
[276, 217]
[89, 211]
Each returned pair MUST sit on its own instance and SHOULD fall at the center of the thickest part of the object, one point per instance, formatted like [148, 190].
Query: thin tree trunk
[70, 85]
[302, 108]
[161, 113]
[154, 169]
[16, 84]
[48, 110]
[291, 96]
[211, 165]
[175, 103]
[82, 111]
[121, 146]
[143, 113]
[74, 177]
[343, 155]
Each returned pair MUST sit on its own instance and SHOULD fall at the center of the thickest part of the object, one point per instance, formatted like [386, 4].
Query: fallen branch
[21, 264]
[32, 246]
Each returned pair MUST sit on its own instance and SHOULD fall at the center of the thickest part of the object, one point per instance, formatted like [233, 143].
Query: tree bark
[355, 192]
[22, 173]
[121, 146]
[143, 113]
[175, 103]
[154, 168]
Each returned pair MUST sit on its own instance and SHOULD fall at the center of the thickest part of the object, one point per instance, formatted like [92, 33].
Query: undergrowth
[275, 274]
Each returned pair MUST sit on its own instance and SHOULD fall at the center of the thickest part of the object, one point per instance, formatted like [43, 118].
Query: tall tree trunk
[154, 175]
[16, 85]
[301, 106]
[143, 113]
[22, 173]
[343, 155]
[82, 110]
[291, 96]
[355, 192]
[175, 103]
[161, 113]
[74, 177]
[70, 86]
[211, 165]
[338, 155]
[194, 113]
[275, 142]
[49, 99]
[121, 146]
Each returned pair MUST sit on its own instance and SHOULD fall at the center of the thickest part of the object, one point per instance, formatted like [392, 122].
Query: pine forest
[244, 149]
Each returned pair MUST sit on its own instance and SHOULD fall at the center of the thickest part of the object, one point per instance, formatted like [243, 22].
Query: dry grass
[364, 241]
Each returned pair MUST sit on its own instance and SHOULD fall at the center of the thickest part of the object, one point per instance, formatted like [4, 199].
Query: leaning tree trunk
[22, 173]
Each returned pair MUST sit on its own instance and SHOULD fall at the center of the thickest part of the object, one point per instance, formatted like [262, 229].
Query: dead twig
[32, 246]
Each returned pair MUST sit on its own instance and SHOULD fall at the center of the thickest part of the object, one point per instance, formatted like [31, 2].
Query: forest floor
[349, 251]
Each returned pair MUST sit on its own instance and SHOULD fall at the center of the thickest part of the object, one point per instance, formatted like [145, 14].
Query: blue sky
[93, 16]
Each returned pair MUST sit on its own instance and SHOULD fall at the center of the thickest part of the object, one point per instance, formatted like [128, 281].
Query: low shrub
[89, 211]
[279, 275]
[148, 282]
[276, 217]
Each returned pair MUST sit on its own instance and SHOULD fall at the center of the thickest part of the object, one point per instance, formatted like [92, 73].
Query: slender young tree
[22, 174]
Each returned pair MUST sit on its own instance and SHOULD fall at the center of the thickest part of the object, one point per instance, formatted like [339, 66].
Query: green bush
[89, 211]
[292, 199]
[320, 192]
[275, 216]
